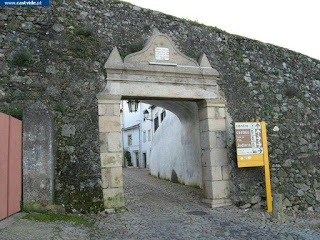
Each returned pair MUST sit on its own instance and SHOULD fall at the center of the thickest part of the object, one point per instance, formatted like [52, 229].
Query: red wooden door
[10, 165]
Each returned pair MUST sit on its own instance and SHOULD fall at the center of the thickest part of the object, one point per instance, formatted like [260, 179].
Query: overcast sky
[293, 24]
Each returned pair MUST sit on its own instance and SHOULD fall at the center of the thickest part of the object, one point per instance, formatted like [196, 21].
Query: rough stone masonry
[56, 55]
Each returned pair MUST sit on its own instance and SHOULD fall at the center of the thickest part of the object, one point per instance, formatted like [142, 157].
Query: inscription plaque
[162, 53]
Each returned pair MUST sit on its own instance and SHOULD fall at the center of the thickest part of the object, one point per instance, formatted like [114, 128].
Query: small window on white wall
[144, 136]
[163, 115]
[129, 140]
[156, 122]
[149, 135]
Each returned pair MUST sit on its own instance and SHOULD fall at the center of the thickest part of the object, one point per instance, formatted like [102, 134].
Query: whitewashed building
[163, 142]
[137, 130]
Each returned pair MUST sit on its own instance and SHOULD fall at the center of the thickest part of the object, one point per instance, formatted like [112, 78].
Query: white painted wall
[134, 146]
[176, 144]
[146, 128]
[130, 119]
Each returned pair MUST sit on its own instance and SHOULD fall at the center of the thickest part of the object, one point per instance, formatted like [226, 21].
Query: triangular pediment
[160, 50]
[160, 70]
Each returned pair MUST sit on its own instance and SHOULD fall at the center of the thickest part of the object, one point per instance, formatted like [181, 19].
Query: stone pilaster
[38, 157]
[111, 152]
[215, 165]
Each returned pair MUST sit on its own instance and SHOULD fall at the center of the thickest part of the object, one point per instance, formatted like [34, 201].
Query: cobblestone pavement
[158, 209]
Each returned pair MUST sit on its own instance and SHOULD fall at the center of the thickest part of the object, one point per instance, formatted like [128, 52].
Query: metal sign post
[252, 150]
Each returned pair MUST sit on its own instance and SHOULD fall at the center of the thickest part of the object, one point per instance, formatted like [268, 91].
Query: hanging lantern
[133, 105]
[146, 114]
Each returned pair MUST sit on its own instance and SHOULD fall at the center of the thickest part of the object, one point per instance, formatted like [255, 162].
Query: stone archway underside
[161, 72]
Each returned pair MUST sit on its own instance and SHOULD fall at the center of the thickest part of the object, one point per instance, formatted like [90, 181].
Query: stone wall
[56, 54]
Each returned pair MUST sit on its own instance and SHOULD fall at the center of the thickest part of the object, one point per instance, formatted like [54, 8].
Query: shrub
[80, 50]
[127, 155]
[132, 48]
[83, 31]
[135, 47]
[59, 108]
[22, 58]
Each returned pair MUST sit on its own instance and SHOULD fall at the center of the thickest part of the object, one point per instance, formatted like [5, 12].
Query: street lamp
[146, 115]
[133, 105]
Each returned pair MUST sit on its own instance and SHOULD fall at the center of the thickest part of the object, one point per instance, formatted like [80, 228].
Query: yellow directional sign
[249, 144]
[252, 150]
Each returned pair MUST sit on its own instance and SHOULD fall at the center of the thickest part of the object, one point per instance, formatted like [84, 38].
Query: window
[156, 123]
[149, 135]
[129, 140]
[144, 136]
[163, 115]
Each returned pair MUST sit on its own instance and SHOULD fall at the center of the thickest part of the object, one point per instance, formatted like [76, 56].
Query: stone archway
[160, 72]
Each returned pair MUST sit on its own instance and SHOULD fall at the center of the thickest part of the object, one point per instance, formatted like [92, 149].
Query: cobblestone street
[159, 209]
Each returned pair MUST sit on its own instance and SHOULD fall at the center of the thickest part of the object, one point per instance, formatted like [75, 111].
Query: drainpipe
[140, 129]
[122, 127]
[151, 135]
[151, 124]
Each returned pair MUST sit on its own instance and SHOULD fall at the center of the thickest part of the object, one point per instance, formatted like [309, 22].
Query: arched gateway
[161, 72]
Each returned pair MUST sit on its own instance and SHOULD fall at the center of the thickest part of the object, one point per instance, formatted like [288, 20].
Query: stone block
[38, 155]
[216, 139]
[220, 139]
[205, 140]
[277, 207]
[109, 124]
[203, 124]
[203, 113]
[217, 124]
[212, 173]
[220, 113]
[318, 195]
[105, 109]
[213, 203]
[211, 104]
[114, 142]
[216, 113]
[215, 104]
[108, 99]
[212, 125]
[111, 177]
[103, 142]
[111, 159]
[116, 109]
[214, 157]
[217, 189]
[226, 172]
[109, 109]
[201, 104]
[113, 198]
[68, 130]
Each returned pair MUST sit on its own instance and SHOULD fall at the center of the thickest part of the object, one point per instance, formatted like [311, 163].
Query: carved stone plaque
[162, 53]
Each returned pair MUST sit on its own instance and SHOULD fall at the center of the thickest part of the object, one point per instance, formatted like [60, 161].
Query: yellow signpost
[252, 150]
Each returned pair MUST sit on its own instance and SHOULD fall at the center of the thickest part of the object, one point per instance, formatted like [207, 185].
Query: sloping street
[159, 209]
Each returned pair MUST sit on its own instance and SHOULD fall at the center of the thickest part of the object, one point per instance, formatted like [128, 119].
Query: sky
[293, 24]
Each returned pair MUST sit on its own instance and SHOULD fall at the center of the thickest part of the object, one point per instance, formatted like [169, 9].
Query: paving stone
[159, 209]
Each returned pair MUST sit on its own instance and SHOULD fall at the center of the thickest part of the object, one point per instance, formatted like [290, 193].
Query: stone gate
[160, 72]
